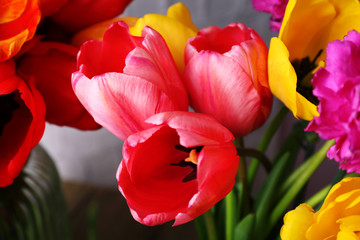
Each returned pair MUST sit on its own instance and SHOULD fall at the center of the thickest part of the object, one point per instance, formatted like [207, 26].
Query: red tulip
[177, 169]
[77, 14]
[226, 76]
[49, 7]
[51, 64]
[123, 79]
[22, 123]
[18, 22]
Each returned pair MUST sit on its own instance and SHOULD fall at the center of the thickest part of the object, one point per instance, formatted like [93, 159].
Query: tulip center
[8, 105]
[190, 161]
[304, 70]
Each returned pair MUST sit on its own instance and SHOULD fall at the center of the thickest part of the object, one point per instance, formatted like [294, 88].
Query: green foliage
[33, 207]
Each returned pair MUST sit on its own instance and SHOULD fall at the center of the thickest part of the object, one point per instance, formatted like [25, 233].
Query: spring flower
[51, 65]
[18, 22]
[275, 7]
[49, 7]
[296, 54]
[177, 169]
[78, 14]
[338, 218]
[337, 86]
[123, 79]
[226, 76]
[176, 28]
[22, 121]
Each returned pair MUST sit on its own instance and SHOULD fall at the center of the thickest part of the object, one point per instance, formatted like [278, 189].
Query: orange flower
[18, 22]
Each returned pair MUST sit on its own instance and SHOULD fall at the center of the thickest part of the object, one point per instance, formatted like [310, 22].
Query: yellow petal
[326, 219]
[182, 14]
[283, 79]
[350, 223]
[320, 21]
[176, 29]
[346, 235]
[344, 186]
[297, 222]
[96, 31]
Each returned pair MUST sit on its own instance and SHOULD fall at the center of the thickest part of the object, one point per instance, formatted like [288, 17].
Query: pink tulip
[123, 79]
[177, 169]
[226, 76]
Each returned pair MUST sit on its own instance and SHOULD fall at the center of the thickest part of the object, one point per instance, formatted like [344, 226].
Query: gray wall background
[93, 156]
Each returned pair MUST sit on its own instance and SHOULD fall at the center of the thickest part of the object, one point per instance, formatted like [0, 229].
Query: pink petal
[220, 87]
[194, 129]
[119, 102]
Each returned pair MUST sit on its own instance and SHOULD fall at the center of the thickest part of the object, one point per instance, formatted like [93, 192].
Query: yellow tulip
[338, 218]
[308, 26]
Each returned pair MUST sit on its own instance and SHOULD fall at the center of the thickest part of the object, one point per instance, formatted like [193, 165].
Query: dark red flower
[77, 14]
[51, 64]
[22, 121]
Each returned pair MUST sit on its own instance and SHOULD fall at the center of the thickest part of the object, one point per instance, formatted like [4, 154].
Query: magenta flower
[123, 80]
[226, 76]
[275, 7]
[177, 169]
[337, 87]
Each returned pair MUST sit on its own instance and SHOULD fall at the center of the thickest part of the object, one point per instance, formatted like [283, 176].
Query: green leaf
[312, 164]
[266, 200]
[245, 228]
[33, 207]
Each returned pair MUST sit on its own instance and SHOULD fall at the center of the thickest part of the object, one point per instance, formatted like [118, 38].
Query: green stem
[265, 141]
[230, 203]
[289, 196]
[210, 225]
[244, 196]
[248, 152]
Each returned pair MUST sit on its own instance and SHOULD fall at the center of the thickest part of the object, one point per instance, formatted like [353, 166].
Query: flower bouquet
[183, 101]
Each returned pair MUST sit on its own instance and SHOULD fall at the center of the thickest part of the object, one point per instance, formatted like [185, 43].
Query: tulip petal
[296, 223]
[97, 31]
[157, 181]
[146, 64]
[332, 20]
[204, 78]
[11, 10]
[174, 32]
[123, 102]
[321, 12]
[97, 57]
[192, 129]
[78, 14]
[51, 65]
[283, 79]
[26, 125]
[214, 163]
